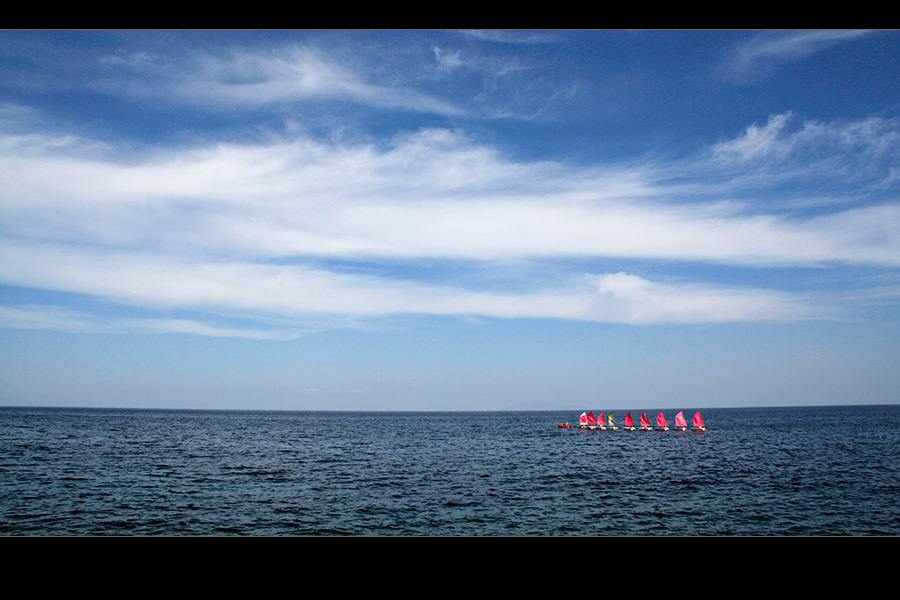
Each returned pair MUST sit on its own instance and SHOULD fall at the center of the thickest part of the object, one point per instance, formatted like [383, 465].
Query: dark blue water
[782, 471]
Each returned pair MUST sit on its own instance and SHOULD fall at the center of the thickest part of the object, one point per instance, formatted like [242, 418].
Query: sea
[784, 471]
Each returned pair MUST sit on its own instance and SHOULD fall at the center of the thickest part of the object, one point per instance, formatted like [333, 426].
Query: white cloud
[233, 229]
[447, 61]
[514, 37]
[857, 144]
[297, 292]
[432, 195]
[57, 318]
[289, 75]
[769, 49]
[632, 299]
[757, 141]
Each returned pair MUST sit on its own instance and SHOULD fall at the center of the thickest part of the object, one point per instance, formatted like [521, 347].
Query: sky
[447, 220]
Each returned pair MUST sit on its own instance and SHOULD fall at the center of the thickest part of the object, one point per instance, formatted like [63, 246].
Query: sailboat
[582, 421]
[591, 421]
[699, 425]
[661, 423]
[680, 422]
[645, 423]
[629, 423]
[611, 422]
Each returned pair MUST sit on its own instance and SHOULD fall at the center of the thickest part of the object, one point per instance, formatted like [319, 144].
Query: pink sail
[629, 422]
[645, 420]
[582, 420]
[590, 419]
[680, 420]
[698, 422]
[661, 421]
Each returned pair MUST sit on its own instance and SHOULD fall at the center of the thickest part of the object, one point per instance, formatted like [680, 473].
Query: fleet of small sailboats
[587, 420]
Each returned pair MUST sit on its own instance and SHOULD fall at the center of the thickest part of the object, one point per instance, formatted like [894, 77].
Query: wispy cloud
[295, 293]
[514, 37]
[57, 318]
[632, 299]
[235, 229]
[788, 163]
[758, 56]
[285, 231]
[249, 79]
[431, 195]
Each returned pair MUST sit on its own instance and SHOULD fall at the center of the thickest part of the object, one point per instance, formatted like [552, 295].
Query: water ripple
[778, 472]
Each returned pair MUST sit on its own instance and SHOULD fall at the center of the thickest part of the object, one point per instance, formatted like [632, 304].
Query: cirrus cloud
[250, 229]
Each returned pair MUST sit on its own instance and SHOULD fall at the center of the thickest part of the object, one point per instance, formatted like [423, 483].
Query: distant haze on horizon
[449, 220]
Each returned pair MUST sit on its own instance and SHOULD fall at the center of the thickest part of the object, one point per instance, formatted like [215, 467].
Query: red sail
[645, 420]
[601, 420]
[582, 420]
[698, 421]
[629, 422]
[680, 420]
[661, 421]
[590, 419]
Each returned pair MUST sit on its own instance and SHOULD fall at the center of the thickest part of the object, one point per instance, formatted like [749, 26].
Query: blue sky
[449, 220]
